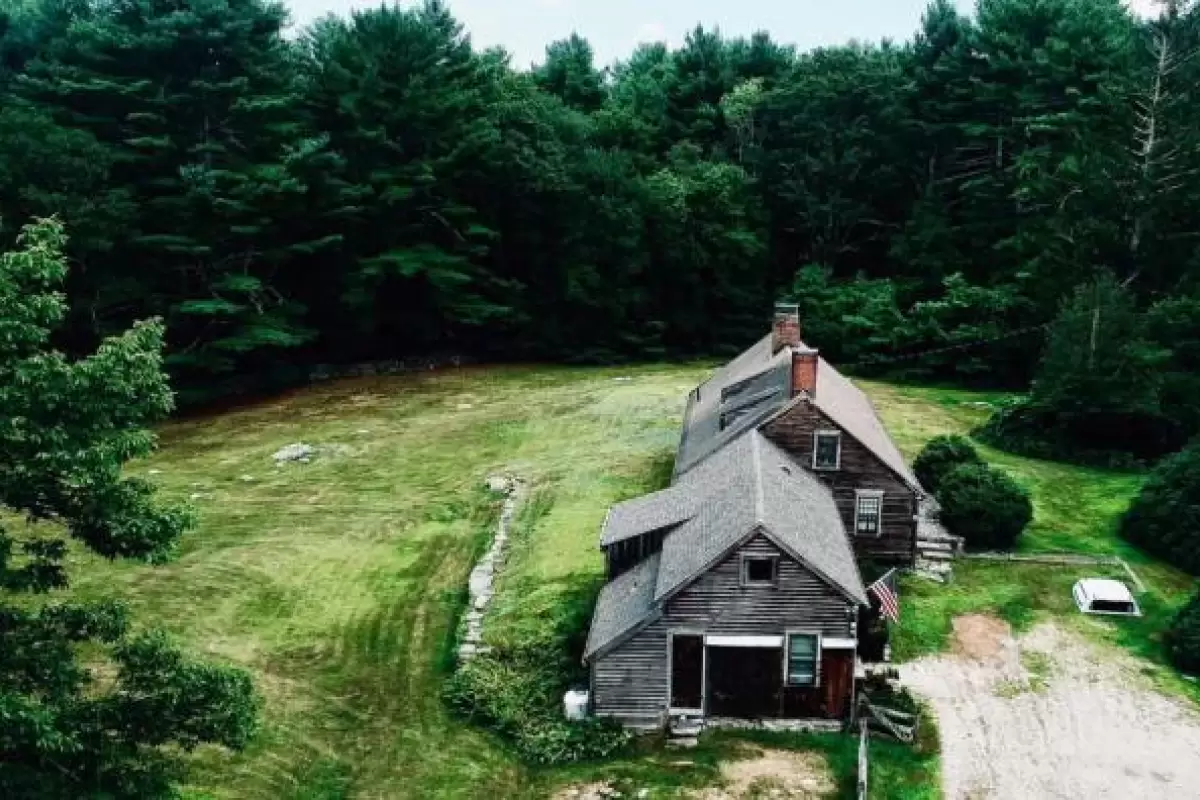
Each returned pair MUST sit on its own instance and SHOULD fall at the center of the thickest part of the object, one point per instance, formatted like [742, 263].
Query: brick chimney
[786, 332]
[804, 370]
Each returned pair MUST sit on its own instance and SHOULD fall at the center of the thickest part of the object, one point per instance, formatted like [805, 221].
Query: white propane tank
[575, 704]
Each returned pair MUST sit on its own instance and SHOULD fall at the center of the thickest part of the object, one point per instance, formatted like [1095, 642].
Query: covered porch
[796, 675]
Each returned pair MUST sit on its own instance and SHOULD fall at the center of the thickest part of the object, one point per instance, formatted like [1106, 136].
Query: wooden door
[687, 671]
[837, 678]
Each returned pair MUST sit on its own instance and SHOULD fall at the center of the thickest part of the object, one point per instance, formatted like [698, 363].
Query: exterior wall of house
[631, 683]
[860, 469]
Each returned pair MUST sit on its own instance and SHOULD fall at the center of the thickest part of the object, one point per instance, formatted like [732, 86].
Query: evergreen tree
[1096, 359]
[401, 94]
[197, 108]
[570, 74]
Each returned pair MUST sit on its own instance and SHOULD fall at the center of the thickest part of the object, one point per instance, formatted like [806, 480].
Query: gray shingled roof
[757, 485]
[747, 486]
[624, 603]
[762, 370]
[800, 512]
[845, 404]
[649, 513]
[765, 376]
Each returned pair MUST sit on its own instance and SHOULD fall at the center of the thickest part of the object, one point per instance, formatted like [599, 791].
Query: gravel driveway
[1053, 716]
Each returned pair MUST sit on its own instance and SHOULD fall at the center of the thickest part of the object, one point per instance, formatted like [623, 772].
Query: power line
[883, 361]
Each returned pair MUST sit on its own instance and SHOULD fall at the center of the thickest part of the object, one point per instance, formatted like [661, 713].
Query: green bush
[1183, 638]
[941, 455]
[1164, 519]
[984, 506]
[517, 692]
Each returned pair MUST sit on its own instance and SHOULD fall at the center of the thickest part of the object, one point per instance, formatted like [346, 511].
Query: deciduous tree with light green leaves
[88, 708]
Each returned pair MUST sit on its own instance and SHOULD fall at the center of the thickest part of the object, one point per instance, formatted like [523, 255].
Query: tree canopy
[377, 187]
[90, 708]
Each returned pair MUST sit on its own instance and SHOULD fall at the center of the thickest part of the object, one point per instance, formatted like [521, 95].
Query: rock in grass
[294, 452]
[500, 484]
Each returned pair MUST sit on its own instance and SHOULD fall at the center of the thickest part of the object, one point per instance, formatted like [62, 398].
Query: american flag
[889, 599]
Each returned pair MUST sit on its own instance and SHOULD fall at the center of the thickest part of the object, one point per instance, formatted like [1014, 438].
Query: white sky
[615, 27]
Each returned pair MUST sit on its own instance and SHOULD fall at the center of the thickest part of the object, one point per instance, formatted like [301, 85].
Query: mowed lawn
[338, 583]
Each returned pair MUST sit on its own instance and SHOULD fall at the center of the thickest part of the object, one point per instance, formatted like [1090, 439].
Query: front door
[687, 671]
[837, 680]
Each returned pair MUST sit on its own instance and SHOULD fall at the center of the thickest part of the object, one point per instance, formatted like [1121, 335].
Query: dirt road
[1053, 716]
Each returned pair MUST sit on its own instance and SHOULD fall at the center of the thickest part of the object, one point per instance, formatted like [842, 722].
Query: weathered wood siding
[717, 603]
[631, 682]
[860, 469]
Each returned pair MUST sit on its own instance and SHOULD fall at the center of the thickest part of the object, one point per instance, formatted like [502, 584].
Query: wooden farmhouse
[737, 591]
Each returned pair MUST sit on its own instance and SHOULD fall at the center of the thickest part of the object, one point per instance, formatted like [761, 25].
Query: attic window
[758, 571]
[827, 450]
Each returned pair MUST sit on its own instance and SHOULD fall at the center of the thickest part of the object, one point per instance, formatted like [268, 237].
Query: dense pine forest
[373, 187]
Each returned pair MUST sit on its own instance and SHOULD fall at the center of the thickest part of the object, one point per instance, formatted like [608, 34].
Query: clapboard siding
[860, 469]
[718, 603]
[631, 682]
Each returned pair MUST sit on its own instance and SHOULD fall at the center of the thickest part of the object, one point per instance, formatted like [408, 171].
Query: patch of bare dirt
[773, 774]
[1051, 715]
[980, 637]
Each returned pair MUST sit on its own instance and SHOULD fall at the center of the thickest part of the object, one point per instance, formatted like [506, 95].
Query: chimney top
[805, 363]
[786, 330]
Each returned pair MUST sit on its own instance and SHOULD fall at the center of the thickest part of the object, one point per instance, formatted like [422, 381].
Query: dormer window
[827, 450]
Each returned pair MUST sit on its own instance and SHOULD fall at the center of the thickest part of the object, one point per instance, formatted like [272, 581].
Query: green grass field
[1076, 510]
[338, 583]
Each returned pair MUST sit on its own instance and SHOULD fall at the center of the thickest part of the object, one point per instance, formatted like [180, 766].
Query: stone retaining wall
[483, 576]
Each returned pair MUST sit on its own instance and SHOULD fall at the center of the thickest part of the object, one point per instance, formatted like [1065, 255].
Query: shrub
[517, 692]
[984, 506]
[1164, 519]
[1183, 638]
[941, 455]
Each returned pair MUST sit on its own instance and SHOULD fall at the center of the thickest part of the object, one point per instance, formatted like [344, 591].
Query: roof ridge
[759, 501]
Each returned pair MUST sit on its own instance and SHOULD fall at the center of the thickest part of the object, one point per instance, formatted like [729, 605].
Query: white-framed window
[868, 513]
[759, 570]
[827, 450]
[803, 666]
